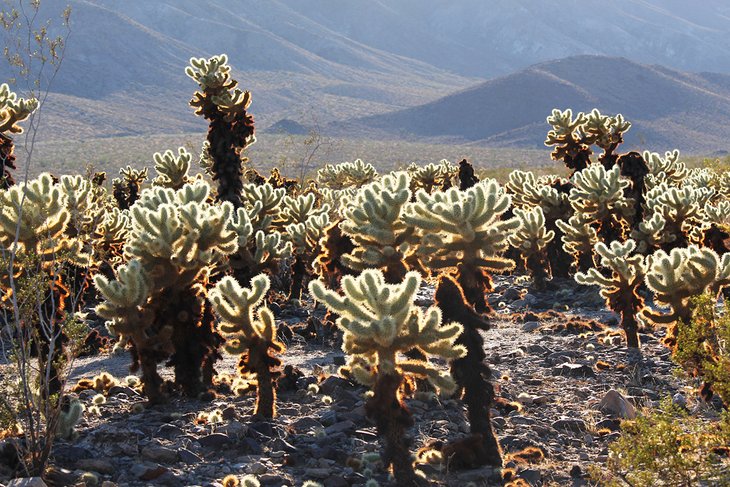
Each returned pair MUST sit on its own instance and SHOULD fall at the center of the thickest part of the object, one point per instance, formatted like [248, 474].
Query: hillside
[667, 108]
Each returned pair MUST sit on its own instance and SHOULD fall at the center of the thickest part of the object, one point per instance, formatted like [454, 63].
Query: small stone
[98, 465]
[108, 483]
[214, 440]
[570, 424]
[615, 403]
[317, 473]
[511, 294]
[530, 326]
[159, 453]
[229, 413]
[168, 431]
[573, 370]
[611, 424]
[340, 427]
[257, 468]
[532, 476]
[188, 457]
[114, 390]
[525, 398]
[583, 456]
[679, 400]
[145, 471]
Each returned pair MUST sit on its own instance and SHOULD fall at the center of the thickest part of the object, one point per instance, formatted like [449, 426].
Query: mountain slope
[668, 108]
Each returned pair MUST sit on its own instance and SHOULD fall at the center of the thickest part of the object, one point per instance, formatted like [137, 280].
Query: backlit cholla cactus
[374, 221]
[34, 218]
[432, 176]
[598, 197]
[620, 287]
[109, 238]
[676, 276]
[464, 231]
[531, 240]
[569, 140]
[346, 174]
[579, 238]
[301, 208]
[176, 238]
[606, 132]
[305, 238]
[260, 247]
[668, 169]
[126, 189]
[380, 323]
[250, 332]
[671, 216]
[13, 110]
[231, 128]
[172, 170]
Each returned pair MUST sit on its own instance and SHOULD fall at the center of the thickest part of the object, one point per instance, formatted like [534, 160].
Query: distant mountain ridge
[668, 109]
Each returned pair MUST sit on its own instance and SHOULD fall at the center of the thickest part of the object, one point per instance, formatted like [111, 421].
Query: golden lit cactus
[620, 287]
[373, 220]
[337, 199]
[231, 128]
[177, 237]
[531, 240]
[346, 174]
[568, 139]
[676, 276]
[431, 176]
[249, 329]
[110, 236]
[264, 205]
[650, 235]
[464, 230]
[300, 208]
[607, 132]
[681, 210]
[126, 190]
[172, 170]
[598, 195]
[13, 110]
[667, 169]
[380, 323]
[579, 238]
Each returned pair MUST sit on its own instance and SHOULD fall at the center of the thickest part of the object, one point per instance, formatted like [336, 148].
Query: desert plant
[531, 239]
[13, 110]
[676, 276]
[620, 287]
[158, 298]
[347, 174]
[250, 331]
[231, 128]
[471, 373]
[172, 170]
[305, 238]
[374, 221]
[126, 189]
[380, 322]
[463, 230]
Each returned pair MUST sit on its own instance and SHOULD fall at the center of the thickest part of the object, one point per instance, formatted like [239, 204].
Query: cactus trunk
[258, 361]
[8, 161]
[392, 418]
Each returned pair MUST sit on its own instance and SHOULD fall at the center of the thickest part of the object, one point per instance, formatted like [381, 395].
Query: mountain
[669, 109]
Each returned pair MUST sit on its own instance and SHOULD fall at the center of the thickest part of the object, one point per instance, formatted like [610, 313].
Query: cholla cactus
[264, 205]
[346, 174]
[231, 128]
[109, 238]
[301, 208]
[177, 237]
[305, 238]
[676, 276]
[380, 322]
[172, 170]
[531, 240]
[13, 110]
[620, 288]
[578, 239]
[598, 196]
[127, 189]
[250, 331]
[568, 139]
[432, 176]
[606, 132]
[374, 222]
[681, 211]
[463, 230]
[667, 169]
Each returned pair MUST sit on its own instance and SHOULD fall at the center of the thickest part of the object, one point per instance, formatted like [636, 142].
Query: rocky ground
[559, 370]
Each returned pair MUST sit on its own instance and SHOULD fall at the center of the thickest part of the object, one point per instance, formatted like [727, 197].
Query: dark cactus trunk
[7, 158]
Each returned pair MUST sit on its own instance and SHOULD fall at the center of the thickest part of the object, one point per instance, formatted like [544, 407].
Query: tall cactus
[13, 110]
[463, 230]
[380, 322]
[250, 331]
[231, 128]
[531, 240]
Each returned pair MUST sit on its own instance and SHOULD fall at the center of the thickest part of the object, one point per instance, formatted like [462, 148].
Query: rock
[340, 427]
[511, 294]
[158, 453]
[574, 370]
[482, 475]
[98, 465]
[317, 473]
[570, 424]
[27, 482]
[168, 431]
[146, 471]
[679, 400]
[532, 476]
[252, 446]
[530, 326]
[114, 390]
[336, 481]
[257, 468]
[611, 424]
[108, 483]
[306, 423]
[525, 398]
[188, 457]
[70, 453]
[614, 403]
[522, 420]
[229, 413]
[214, 440]
[328, 417]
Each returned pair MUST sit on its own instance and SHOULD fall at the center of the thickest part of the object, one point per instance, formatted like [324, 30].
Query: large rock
[615, 403]
[27, 482]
